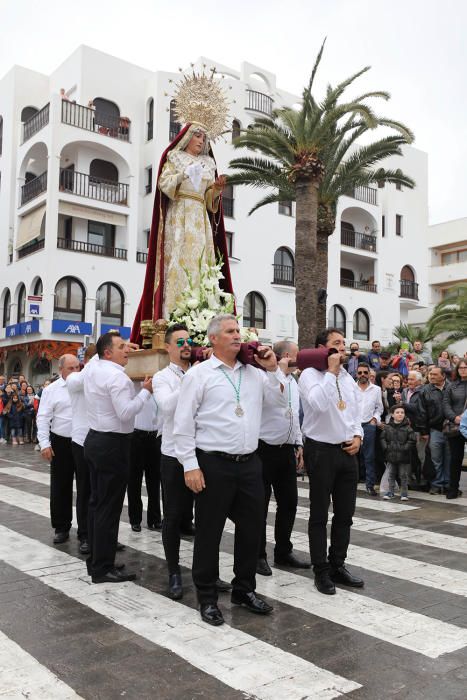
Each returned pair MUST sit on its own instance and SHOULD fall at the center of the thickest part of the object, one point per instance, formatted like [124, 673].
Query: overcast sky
[417, 50]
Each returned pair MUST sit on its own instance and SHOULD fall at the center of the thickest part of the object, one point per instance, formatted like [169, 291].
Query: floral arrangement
[199, 304]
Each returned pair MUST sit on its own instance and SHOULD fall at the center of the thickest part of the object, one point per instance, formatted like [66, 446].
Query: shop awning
[92, 214]
[30, 226]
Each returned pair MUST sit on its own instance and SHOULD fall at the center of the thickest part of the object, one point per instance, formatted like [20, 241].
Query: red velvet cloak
[150, 306]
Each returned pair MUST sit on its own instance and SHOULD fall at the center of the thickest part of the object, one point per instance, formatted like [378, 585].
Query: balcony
[364, 194]
[141, 257]
[92, 248]
[361, 241]
[259, 102]
[36, 122]
[409, 289]
[284, 274]
[33, 188]
[362, 285]
[83, 185]
[30, 248]
[96, 121]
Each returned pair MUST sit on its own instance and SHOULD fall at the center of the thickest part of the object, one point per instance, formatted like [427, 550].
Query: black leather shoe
[223, 586]
[324, 583]
[84, 547]
[114, 576]
[343, 576]
[293, 561]
[211, 614]
[188, 531]
[155, 526]
[175, 586]
[136, 528]
[120, 547]
[371, 491]
[251, 602]
[263, 568]
[453, 494]
[61, 537]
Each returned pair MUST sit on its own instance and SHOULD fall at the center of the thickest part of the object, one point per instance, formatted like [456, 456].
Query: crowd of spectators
[19, 402]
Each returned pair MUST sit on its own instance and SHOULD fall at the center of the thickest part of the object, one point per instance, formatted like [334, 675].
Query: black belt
[340, 445]
[108, 433]
[277, 447]
[145, 432]
[230, 457]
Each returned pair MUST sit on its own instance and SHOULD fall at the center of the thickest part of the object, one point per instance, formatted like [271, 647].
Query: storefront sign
[33, 307]
[71, 327]
[124, 331]
[25, 328]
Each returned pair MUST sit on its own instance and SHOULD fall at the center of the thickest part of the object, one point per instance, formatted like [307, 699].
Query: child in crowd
[397, 440]
[15, 412]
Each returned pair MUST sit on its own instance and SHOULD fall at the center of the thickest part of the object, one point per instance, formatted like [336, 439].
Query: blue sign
[25, 328]
[34, 309]
[124, 331]
[71, 327]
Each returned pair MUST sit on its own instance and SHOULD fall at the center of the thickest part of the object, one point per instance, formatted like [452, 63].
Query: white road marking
[424, 496]
[376, 504]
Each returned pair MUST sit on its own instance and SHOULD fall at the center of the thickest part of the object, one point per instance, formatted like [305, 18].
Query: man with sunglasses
[372, 408]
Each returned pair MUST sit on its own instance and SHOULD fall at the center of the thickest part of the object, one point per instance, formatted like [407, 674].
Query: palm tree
[304, 158]
[449, 317]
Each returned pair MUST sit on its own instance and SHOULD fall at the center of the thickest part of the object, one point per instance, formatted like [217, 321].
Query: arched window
[336, 318]
[174, 125]
[110, 303]
[254, 311]
[102, 170]
[409, 288]
[27, 113]
[150, 119]
[284, 267]
[361, 325]
[21, 315]
[347, 234]
[407, 274]
[69, 299]
[228, 200]
[6, 308]
[38, 288]
[236, 129]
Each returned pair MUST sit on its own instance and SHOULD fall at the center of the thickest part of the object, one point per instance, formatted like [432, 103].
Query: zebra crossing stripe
[22, 676]
[236, 658]
[433, 498]
[386, 622]
[457, 521]
[376, 504]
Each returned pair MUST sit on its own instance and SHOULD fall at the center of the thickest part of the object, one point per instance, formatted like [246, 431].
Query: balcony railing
[92, 248]
[36, 122]
[141, 257]
[362, 241]
[85, 185]
[34, 188]
[284, 274]
[355, 284]
[94, 120]
[259, 102]
[409, 289]
[30, 248]
[228, 206]
[364, 194]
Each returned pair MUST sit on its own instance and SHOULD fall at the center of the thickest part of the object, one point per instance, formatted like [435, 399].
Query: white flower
[193, 303]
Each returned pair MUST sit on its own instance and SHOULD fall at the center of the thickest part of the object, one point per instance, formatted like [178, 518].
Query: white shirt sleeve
[75, 382]
[358, 414]
[316, 393]
[190, 397]
[165, 395]
[125, 403]
[273, 387]
[378, 406]
[44, 419]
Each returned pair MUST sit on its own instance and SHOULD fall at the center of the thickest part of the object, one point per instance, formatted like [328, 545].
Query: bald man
[54, 437]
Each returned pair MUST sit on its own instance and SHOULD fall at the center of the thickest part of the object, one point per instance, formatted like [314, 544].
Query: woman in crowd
[15, 412]
[454, 405]
[444, 361]
[29, 414]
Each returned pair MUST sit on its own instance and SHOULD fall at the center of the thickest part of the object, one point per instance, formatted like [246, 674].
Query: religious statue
[188, 223]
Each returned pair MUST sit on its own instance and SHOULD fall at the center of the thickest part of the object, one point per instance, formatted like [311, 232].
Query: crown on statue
[201, 99]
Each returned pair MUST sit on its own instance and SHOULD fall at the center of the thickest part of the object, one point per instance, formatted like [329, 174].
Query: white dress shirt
[322, 420]
[277, 426]
[150, 416]
[79, 420]
[54, 414]
[205, 415]
[372, 402]
[166, 386]
[110, 398]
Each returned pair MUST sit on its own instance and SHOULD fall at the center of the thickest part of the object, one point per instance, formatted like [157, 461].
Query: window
[228, 201]
[254, 311]
[6, 309]
[109, 301]
[337, 318]
[102, 170]
[229, 240]
[174, 125]
[398, 225]
[27, 113]
[236, 129]
[398, 186]
[101, 234]
[69, 300]
[383, 226]
[38, 288]
[107, 114]
[21, 316]
[148, 186]
[361, 325]
[147, 236]
[381, 184]
[455, 256]
[285, 208]
[284, 267]
[150, 124]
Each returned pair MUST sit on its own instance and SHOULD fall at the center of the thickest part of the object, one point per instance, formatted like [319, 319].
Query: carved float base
[145, 363]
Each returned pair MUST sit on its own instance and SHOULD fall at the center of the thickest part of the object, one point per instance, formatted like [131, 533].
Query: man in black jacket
[432, 417]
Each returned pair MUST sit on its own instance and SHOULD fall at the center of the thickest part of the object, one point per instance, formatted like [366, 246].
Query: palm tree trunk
[322, 276]
[306, 224]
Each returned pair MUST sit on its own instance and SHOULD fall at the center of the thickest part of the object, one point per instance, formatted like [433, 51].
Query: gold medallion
[239, 411]
[341, 405]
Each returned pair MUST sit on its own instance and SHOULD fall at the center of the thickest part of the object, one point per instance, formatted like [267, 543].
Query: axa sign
[71, 327]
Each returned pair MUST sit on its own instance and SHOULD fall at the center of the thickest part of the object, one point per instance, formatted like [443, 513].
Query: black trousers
[332, 472]
[62, 472]
[108, 455]
[145, 460]
[234, 490]
[279, 474]
[456, 445]
[177, 500]
[83, 489]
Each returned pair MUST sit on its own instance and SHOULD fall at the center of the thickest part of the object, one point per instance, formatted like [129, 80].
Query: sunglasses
[365, 373]
[181, 342]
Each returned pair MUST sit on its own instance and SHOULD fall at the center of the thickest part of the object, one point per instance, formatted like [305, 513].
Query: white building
[76, 198]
